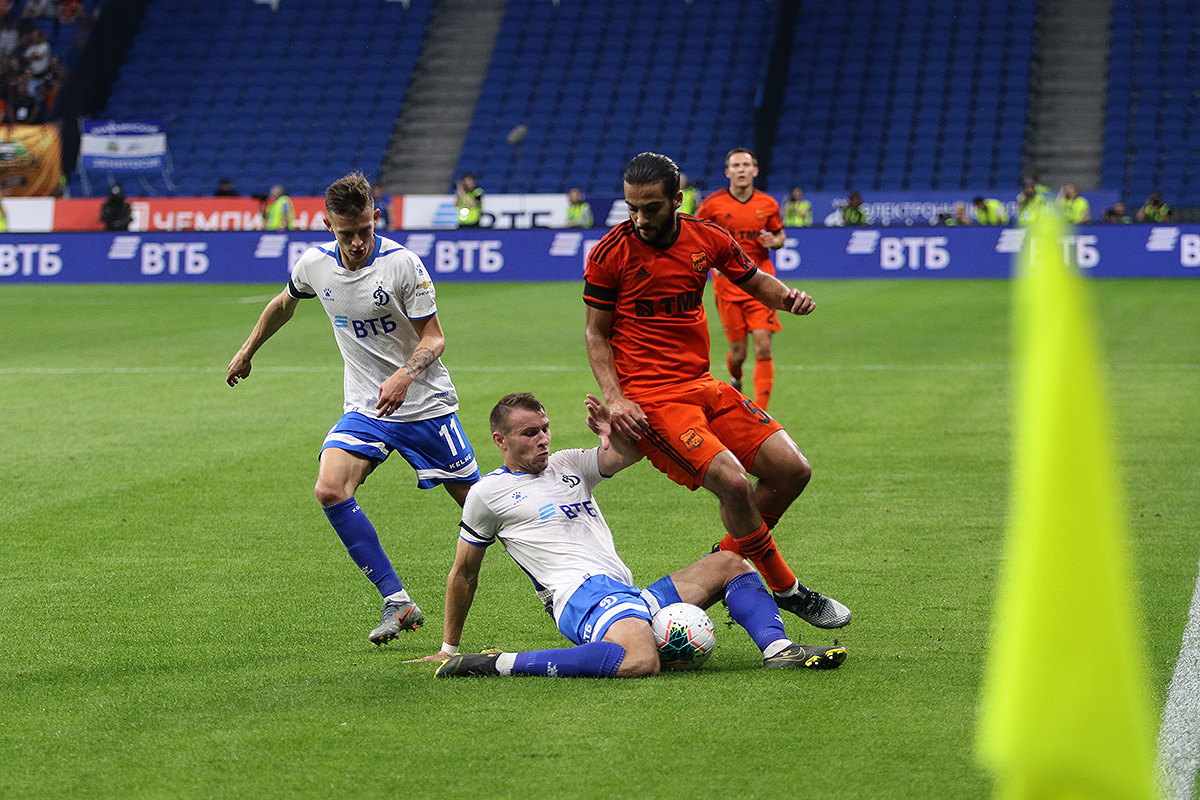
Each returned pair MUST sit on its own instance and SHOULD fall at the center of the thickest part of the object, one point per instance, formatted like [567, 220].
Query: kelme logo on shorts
[691, 440]
[699, 262]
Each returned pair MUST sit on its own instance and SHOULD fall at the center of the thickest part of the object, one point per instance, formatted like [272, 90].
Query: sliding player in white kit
[540, 507]
[398, 395]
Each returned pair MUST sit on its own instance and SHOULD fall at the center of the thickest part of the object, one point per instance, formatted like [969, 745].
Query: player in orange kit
[753, 219]
[647, 343]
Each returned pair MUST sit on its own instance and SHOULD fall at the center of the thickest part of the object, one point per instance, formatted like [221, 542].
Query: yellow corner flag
[1065, 710]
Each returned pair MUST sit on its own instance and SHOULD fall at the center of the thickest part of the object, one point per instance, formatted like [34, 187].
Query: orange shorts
[741, 317]
[692, 422]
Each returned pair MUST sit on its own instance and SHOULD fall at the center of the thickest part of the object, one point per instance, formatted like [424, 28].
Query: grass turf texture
[180, 621]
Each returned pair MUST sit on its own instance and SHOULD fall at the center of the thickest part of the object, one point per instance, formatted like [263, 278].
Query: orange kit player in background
[647, 342]
[753, 219]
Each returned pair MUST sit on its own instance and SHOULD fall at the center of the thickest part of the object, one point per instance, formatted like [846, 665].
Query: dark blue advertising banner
[1111, 251]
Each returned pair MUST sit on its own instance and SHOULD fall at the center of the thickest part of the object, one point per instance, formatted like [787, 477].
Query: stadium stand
[298, 96]
[879, 95]
[65, 38]
[903, 95]
[1152, 125]
[599, 82]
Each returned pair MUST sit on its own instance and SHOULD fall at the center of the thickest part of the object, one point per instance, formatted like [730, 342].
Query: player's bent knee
[639, 662]
[728, 565]
[328, 494]
[727, 480]
[802, 473]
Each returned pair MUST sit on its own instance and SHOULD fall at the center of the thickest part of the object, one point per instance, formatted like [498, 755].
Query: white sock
[776, 647]
[795, 588]
[504, 663]
[400, 597]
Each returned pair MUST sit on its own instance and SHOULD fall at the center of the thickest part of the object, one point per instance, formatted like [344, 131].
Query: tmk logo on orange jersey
[700, 262]
[691, 440]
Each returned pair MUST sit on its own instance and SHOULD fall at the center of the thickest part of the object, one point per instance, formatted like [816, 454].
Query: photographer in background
[116, 213]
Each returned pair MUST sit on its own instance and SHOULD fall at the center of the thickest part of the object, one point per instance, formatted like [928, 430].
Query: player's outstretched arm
[274, 316]
[617, 451]
[773, 293]
[460, 593]
[429, 348]
[626, 416]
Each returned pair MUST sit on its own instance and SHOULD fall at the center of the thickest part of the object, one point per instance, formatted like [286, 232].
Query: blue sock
[664, 589]
[593, 660]
[752, 607]
[362, 542]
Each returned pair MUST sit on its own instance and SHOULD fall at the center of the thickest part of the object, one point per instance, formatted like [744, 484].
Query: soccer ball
[684, 635]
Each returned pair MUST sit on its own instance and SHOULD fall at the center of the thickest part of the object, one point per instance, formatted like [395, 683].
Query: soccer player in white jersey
[398, 395]
[540, 507]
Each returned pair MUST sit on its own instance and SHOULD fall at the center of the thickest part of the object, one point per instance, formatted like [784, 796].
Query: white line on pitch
[1179, 735]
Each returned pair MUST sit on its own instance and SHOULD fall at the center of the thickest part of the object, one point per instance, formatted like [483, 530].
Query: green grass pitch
[178, 620]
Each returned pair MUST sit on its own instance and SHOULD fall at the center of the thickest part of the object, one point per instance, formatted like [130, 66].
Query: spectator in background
[1116, 214]
[70, 12]
[3, 218]
[36, 54]
[21, 107]
[853, 213]
[1075, 208]
[989, 211]
[9, 37]
[387, 213]
[225, 188]
[1040, 187]
[116, 213]
[1155, 210]
[797, 212]
[79, 40]
[691, 195]
[959, 216]
[468, 198]
[39, 8]
[278, 214]
[52, 84]
[579, 211]
[1030, 202]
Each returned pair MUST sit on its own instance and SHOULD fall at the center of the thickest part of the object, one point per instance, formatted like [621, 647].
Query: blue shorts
[436, 448]
[600, 601]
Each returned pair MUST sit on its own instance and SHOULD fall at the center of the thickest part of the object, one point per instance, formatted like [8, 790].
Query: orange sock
[760, 548]
[735, 370]
[764, 381]
[729, 543]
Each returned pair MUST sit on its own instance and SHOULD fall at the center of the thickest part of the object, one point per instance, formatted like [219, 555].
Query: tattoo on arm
[422, 357]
